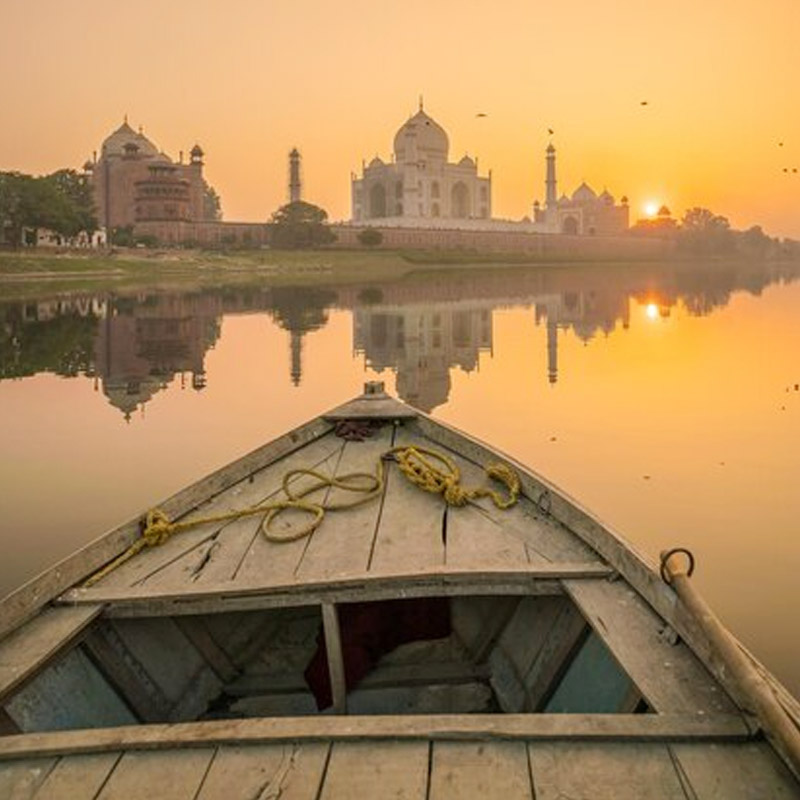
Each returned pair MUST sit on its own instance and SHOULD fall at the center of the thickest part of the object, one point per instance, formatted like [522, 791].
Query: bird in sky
[780, 144]
[786, 169]
[550, 131]
[644, 103]
[481, 114]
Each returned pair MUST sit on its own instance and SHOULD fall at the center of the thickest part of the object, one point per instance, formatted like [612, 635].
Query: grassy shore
[76, 270]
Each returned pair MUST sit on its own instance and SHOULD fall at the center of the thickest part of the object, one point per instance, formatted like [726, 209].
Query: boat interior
[424, 655]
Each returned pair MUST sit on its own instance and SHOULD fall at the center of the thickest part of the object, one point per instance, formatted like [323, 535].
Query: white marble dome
[429, 136]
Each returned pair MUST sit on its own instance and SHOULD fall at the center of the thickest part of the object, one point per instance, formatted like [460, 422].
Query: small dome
[123, 137]
[584, 194]
[196, 152]
[664, 212]
[466, 162]
[550, 148]
[88, 166]
[376, 162]
[624, 200]
[431, 139]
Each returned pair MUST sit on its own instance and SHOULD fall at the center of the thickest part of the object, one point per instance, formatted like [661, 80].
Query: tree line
[61, 202]
[701, 232]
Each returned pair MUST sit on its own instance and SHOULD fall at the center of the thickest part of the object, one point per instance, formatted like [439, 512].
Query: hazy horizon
[249, 81]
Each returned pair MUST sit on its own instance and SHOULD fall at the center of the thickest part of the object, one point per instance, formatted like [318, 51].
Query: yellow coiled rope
[437, 473]
[418, 464]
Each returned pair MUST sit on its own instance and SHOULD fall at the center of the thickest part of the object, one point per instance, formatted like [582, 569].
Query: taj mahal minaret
[551, 197]
[295, 187]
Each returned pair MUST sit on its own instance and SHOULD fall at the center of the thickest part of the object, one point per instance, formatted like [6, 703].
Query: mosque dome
[431, 139]
[584, 194]
[125, 136]
[607, 197]
[376, 162]
[466, 162]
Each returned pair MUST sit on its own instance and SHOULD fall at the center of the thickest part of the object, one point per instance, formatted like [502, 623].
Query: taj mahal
[421, 188]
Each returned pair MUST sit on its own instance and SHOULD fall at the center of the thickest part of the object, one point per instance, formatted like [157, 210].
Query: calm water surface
[666, 400]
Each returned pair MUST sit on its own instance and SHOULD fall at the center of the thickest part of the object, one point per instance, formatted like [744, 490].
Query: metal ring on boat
[666, 556]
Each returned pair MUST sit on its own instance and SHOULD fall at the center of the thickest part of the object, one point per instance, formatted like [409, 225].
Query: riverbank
[340, 265]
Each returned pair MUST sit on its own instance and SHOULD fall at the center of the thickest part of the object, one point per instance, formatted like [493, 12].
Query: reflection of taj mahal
[420, 182]
[422, 343]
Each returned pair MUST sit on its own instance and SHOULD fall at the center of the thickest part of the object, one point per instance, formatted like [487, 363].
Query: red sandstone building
[137, 186]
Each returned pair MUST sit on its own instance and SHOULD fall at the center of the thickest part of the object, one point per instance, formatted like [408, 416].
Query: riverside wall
[540, 245]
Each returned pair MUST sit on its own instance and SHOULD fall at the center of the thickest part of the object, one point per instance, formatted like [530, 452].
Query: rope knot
[454, 494]
[157, 528]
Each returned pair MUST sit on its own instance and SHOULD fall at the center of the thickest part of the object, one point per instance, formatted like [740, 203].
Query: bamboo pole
[778, 726]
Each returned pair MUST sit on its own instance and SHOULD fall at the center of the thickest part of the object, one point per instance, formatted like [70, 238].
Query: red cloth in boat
[371, 630]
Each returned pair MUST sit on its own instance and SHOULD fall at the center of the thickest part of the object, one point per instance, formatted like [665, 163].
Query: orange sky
[249, 79]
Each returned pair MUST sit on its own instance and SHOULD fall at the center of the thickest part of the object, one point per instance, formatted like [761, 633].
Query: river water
[667, 400]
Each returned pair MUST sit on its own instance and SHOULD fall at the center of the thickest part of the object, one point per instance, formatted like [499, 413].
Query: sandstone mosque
[419, 187]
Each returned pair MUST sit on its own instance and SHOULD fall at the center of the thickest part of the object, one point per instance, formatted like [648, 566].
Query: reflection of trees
[63, 345]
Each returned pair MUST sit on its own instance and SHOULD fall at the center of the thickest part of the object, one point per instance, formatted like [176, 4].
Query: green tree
[61, 202]
[212, 205]
[77, 191]
[705, 233]
[300, 225]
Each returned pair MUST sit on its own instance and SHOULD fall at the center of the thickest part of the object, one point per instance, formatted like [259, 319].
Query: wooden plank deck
[416, 768]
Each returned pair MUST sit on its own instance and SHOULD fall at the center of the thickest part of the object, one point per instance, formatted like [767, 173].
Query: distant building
[583, 213]
[419, 183]
[134, 182]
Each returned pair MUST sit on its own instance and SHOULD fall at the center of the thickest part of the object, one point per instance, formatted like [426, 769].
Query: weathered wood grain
[669, 676]
[745, 771]
[528, 579]
[215, 553]
[480, 771]
[286, 771]
[173, 775]
[333, 648]
[409, 535]
[342, 544]
[544, 538]
[78, 777]
[28, 649]
[396, 771]
[462, 727]
[610, 771]
[19, 780]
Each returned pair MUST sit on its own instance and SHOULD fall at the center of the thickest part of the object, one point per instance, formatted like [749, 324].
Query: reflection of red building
[139, 350]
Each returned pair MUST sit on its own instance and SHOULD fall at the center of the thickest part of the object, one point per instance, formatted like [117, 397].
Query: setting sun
[651, 208]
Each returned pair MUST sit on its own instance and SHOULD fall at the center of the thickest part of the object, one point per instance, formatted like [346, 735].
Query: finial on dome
[125, 120]
[421, 104]
[141, 130]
